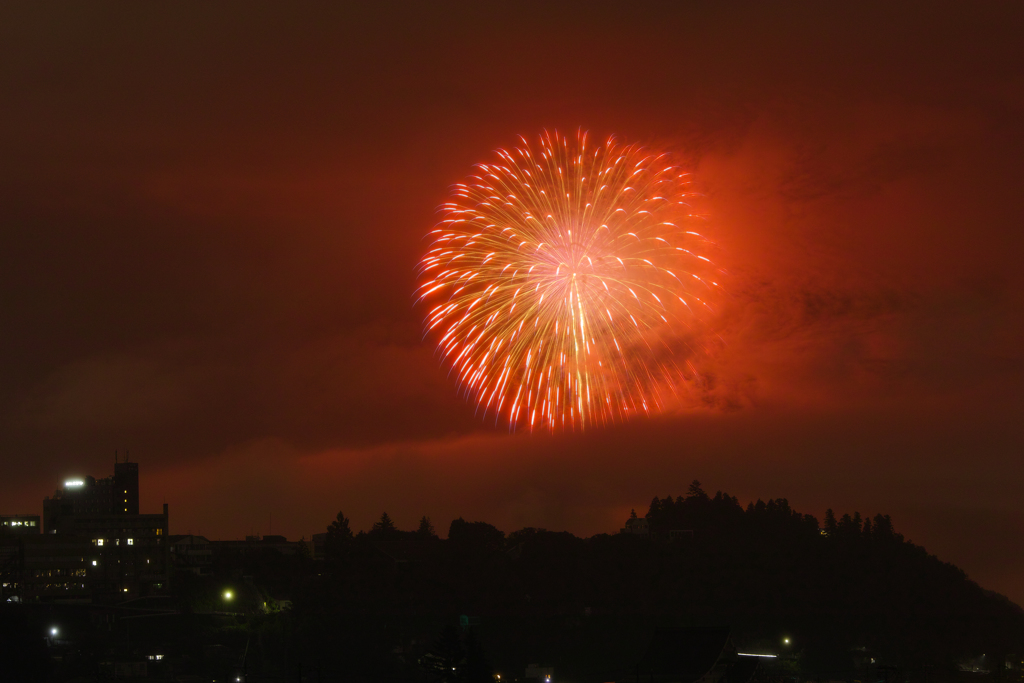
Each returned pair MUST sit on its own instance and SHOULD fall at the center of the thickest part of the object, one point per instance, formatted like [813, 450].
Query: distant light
[751, 654]
[94, 563]
[53, 631]
[228, 595]
[72, 483]
[785, 641]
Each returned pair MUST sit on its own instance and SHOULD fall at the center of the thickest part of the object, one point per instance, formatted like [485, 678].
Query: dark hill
[847, 599]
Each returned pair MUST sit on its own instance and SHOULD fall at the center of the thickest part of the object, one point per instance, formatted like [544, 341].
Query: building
[48, 567]
[133, 551]
[117, 494]
[257, 544]
[541, 674]
[636, 525]
[22, 525]
[319, 543]
[192, 554]
[96, 545]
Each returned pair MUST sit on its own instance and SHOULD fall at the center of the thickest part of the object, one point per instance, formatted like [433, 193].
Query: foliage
[384, 526]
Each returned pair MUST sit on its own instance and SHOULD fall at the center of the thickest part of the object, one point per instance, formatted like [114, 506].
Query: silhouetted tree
[830, 522]
[883, 528]
[384, 526]
[478, 535]
[339, 538]
[477, 669]
[446, 660]
[426, 529]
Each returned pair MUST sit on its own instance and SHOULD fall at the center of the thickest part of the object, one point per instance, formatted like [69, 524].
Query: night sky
[210, 217]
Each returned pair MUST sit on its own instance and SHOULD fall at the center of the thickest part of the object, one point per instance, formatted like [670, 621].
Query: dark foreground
[846, 600]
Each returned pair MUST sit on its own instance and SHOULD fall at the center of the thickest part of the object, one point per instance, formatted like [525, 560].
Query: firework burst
[563, 281]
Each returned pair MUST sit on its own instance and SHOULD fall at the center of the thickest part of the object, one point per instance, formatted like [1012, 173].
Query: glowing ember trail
[563, 280]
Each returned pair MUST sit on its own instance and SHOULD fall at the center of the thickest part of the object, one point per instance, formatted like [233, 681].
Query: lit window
[94, 563]
[99, 541]
[131, 541]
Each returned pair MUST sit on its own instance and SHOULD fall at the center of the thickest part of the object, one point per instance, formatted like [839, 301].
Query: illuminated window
[99, 541]
[131, 541]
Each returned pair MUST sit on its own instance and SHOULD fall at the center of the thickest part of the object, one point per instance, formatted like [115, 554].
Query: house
[637, 526]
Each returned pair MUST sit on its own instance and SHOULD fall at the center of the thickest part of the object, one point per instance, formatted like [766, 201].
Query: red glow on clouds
[209, 244]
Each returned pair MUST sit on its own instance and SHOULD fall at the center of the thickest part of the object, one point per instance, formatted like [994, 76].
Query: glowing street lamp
[228, 595]
[53, 631]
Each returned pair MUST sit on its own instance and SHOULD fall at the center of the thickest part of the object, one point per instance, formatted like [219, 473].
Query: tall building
[95, 545]
[117, 494]
[125, 488]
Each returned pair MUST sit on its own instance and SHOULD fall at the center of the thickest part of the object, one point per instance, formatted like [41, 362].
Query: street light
[53, 631]
[228, 595]
[785, 641]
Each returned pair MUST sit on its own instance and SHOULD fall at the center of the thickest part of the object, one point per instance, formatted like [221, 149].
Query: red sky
[210, 217]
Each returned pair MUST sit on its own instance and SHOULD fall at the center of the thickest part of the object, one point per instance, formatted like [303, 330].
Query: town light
[228, 595]
[785, 641]
[74, 483]
[53, 631]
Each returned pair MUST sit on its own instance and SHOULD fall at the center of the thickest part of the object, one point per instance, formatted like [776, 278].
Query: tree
[830, 522]
[384, 526]
[477, 669]
[696, 491]
[446, 660]
[339, 538]
[426, 529]
[457, 658]
[302, 552]
[479, 535]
